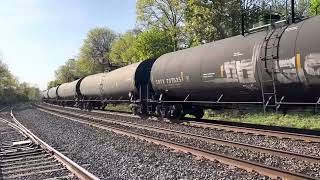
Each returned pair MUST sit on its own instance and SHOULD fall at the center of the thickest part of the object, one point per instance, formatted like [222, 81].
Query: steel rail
[76, 169]
[233, 128]
[4, 108]
[200, 137]
[244, 164]
[271, 133]
[120, 113]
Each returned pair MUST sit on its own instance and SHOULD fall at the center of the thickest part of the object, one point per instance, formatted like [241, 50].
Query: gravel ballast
[290, 164]
[114, 156]
[299, 147]
[25, 161]
[12, 136]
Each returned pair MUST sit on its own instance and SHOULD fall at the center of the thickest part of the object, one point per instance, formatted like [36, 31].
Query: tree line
[169, 25]
[11, 90]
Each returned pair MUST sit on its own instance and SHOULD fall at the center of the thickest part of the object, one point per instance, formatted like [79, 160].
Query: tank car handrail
[266, 25]
[210, 102]
[281, 102]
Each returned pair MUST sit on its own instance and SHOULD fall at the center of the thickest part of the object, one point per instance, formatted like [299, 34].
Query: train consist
[273, 68]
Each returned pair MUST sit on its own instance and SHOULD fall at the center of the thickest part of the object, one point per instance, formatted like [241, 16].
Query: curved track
[25, 156]
[108, 123]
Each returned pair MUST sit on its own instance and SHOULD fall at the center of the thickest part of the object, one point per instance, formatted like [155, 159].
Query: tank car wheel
[134, 110]
[158, 110]
[89, 106]
[103, 108]
[199, 114]
[165, 112]
[177, 112]
[80, 106]
[178, 115]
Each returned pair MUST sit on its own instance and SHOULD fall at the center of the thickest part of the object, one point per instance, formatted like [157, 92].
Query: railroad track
[106, 123]
[246, 130]
[230, 128]
[3, 108]
[25, 156]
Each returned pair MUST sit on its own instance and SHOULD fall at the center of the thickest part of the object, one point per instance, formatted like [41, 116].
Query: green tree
[303, 8]
[67, 72]
[54, 83]
[149, 44]
[7, 80]
[34, 94]
[315, 7]
[27, 92]
[165, 15]
[97, 46]
[86, 67]
[10, 89]
[152, 44]
[94, 57]
[209, 20]
[122, 51]
[8, 84]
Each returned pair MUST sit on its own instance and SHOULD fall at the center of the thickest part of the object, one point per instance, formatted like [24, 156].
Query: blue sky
[38, 36]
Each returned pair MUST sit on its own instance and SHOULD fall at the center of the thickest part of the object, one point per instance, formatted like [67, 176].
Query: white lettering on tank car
[312, 64]
[255, 56]
[187, 78]
[245, 71]
[208, 75]
[160, 81]
[173, 80]
[231, 70]
[242, 71]
[287, 72]
[292, 28]
[237, 54]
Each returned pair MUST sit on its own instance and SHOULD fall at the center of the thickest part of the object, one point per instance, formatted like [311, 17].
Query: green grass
[118, 107]
[302, 120]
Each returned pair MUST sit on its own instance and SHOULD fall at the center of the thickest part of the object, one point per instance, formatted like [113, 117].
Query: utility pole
[292, 12]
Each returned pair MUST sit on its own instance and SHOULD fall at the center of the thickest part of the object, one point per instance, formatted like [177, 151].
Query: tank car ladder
[270, 58]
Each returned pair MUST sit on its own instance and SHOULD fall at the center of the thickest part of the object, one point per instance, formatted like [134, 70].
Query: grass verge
[118, 107]
[301, 120]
